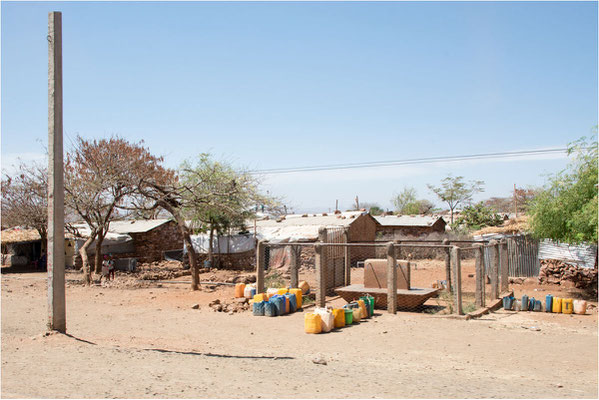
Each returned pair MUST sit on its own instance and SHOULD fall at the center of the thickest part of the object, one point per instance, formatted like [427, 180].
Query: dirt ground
[147, 341]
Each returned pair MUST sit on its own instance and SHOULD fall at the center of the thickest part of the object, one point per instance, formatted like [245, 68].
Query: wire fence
[457, 280]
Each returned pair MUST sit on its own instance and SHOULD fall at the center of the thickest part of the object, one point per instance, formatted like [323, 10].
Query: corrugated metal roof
[299, 228]
[408, 220]
[581, 255]
[125, 227]
[342, 219]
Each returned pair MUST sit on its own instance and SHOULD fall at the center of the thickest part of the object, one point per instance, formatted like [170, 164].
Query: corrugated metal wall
[522, 253]
[582, 255]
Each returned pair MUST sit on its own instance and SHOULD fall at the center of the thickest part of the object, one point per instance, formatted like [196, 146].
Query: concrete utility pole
[56, 287]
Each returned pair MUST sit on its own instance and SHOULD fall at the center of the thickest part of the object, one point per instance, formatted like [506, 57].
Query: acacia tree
[232, 193]
[566, 210]
[25, 199]
[100, 175]
[455, 191]
[205, 193]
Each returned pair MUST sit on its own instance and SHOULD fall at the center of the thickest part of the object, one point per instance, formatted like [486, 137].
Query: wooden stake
[457, 279]
[320, 276]
[260, 259]
[391, 279]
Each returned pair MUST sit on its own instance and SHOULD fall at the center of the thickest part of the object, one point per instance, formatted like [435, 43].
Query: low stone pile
[249, 278]
[568, 275]
[160, 270]
[230, 306]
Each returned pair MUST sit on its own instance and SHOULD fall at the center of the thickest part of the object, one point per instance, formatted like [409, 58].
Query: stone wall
[150, 245]
[564, 274]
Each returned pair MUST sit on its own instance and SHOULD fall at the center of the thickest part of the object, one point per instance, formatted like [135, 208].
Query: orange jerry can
[339, 317]
[312, 323]
[298, 296]
[239, 288]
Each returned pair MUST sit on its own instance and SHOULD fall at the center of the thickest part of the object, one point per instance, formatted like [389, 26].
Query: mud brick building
[397, 227]
[144, 240]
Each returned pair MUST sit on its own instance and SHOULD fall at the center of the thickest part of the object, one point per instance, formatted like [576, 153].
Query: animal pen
[459, 280]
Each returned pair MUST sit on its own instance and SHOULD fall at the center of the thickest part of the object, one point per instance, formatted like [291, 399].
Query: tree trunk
[210, 249]
[193, 260]
[87, 278]
[98, 256]
[191, 253]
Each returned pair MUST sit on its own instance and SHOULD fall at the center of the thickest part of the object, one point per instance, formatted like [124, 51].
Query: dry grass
[20, 235]
[511, 226]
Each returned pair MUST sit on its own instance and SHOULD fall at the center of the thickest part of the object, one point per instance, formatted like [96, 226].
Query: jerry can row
[551, 304]
[326, 319]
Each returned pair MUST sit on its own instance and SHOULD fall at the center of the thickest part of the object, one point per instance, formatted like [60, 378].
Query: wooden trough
[407, 299]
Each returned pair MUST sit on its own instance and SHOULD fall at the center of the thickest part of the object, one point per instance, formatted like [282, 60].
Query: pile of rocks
[568, 275]
[160, 270]
[249, 278]
[230, 306]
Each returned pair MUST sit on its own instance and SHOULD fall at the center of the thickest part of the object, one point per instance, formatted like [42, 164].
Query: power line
[410, 161]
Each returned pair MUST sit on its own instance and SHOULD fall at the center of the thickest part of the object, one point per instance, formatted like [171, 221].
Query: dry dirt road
[150, 343]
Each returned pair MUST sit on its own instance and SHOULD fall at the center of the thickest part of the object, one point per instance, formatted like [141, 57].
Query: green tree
[211, 194]
[566, 210]
[405, 203]
[478, 216]
[405, 200]
[233, 194]
[455, 191]
[373, 208]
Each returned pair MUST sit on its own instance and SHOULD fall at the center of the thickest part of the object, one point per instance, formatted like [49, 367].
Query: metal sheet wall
[523, 256]
[583, 255]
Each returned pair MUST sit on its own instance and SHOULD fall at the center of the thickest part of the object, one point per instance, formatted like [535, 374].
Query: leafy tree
[376, 210]
[100, 176]
[25, 199]
[523, 197]
[455, 191]
[405, 203]
[232, 193]
[373, 208]
[566, 210]
[500, 204]
[478, 216]
[211, 194]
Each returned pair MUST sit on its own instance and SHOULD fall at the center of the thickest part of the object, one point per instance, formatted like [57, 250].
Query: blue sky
[267, 85]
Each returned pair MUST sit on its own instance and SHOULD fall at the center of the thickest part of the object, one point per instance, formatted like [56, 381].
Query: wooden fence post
[260, 259]
[391, 279]
[347, 258]
[503, 268]
[494, 268]
[479, 277]
[328, 271]
[293, 265]
[320, 276]
[447, 251]
[457, 279]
